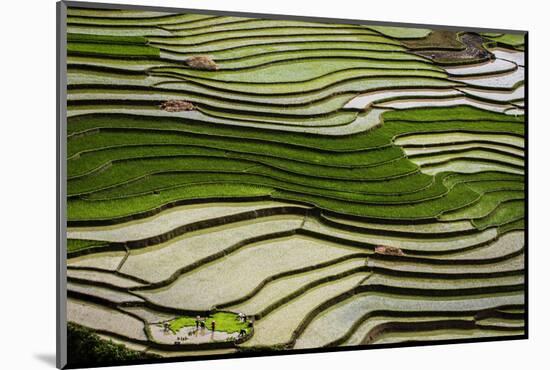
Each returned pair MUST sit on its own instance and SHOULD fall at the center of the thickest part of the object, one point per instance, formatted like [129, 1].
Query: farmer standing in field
[213, 325]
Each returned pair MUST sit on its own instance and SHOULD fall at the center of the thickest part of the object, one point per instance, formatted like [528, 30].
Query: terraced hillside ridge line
[300, 184]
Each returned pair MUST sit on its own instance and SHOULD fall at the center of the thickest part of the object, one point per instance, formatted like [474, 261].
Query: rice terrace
[244, 184]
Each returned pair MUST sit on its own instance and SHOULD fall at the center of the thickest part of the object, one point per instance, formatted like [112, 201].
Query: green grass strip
[160, 182]
[94, 160]
[401, 32]
[448, 113]
[127, 171]
[517, 225]
[286, 153]
[81, 209]
[205, 37]
[511, 40]
[471, 178]
[335, 78]
[119, 50]
[98, 97]
[108, 139]
[298, 70]
[498, 185]
[458, 197]
[506, 212]
[487, 204]
[140, 21]
[230, 43]
[365, 140]
[85, 347]
[273, 57]
[252, 51]
[74, 245]
[80, 76]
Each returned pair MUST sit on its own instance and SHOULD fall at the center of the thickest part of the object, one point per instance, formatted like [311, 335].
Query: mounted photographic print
[236, 185]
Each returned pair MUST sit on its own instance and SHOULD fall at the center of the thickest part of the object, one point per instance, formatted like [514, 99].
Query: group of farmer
[201, 323]
[242, 318]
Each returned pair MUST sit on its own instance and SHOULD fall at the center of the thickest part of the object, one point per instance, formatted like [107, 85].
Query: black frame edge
[61, 199]
[526, 179]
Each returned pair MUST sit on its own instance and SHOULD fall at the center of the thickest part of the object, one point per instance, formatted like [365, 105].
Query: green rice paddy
[424, 205]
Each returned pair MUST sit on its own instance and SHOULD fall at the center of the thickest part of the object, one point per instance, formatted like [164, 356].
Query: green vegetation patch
[506, 212]
[347, 151]
[100, 18]
[337, 77]
[218, 45]
[238, 171]
[95, 159]
[225, 321]
[374, 139]
[295, 76]
[271, 57]
[508, 40]
[252, 24]
[485, 206]
[249, 51]
[205, 37]
[473, 178]
[81, 209]
[296, 71]
[74, 245]
[463, 113]
[84, 347]
[147, 169]
[107, 45]
[458, 197]
[159, 182]
[512, 226]
[104, 95]
[118, 50]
